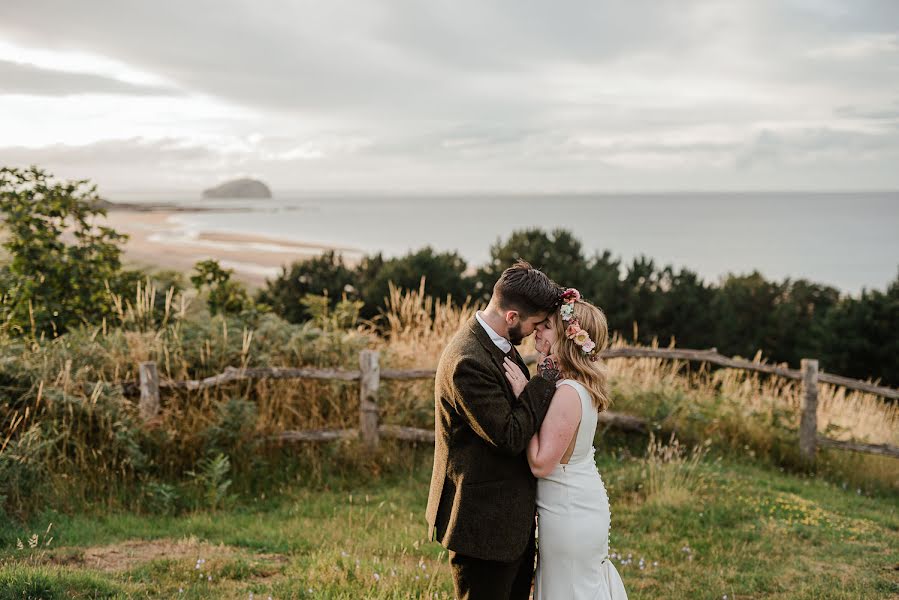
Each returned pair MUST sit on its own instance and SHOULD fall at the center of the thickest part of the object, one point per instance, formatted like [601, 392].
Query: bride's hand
[515, 376]
[548, 368]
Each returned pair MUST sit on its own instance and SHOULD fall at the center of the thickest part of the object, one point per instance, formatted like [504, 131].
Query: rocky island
[239, 188]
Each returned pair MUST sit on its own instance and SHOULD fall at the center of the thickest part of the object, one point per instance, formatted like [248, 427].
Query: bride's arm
[548, 445]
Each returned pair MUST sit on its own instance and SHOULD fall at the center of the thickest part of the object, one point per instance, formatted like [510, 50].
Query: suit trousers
[478, 579]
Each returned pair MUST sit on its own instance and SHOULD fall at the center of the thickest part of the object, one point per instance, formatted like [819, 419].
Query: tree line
[62, 269]
[741, 314]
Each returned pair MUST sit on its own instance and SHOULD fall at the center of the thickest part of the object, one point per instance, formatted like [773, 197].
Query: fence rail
[369, 376]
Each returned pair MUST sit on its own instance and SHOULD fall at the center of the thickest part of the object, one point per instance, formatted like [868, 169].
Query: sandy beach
[156, 239]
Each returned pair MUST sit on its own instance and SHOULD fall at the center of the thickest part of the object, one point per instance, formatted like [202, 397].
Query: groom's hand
[548, 369]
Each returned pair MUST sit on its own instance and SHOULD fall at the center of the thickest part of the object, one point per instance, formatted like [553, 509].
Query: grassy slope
[751, 532]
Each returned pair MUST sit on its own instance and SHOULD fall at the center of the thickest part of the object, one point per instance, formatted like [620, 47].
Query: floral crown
[573, 331]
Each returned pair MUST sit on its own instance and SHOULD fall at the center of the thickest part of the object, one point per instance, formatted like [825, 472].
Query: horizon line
[497, 192]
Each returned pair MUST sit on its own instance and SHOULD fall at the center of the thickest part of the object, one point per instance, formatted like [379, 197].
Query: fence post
[149, 390]
[808, 418]
[368, 398]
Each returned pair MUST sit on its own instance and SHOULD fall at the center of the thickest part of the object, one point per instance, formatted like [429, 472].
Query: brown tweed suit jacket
[482, 499]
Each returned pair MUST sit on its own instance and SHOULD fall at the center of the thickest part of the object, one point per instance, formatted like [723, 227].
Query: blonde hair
[572, 359]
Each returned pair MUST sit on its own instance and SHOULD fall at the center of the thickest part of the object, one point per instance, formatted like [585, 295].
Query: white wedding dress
[573, 520]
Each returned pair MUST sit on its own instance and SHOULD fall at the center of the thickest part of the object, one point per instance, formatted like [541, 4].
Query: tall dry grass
[69, 434]
[744, 412]
[842, 414]
[757, 415]
[415, 328]
[672, 472]
[412, 331]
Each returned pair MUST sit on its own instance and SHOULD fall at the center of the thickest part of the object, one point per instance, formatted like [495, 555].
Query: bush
[858, 337]
[325, 275]
[23, 471]
[50, 284]
[558, 254]
[442, 274]
[225, 296]
[330, 278]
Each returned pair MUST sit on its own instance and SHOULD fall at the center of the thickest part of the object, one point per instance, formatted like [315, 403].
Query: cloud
[499, 94]
[888, 112]
[19, 78]
[858, 47]
[182, 163]
[816, 147]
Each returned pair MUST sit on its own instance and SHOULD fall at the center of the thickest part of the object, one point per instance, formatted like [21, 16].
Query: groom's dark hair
[528, 290]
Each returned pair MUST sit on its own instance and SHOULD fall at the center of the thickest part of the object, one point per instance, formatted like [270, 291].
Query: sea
[849, 240]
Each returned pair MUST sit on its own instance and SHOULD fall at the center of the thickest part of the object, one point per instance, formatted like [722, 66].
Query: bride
[572, 506]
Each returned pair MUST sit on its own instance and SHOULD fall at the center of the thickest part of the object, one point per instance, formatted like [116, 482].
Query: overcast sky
[515, 95]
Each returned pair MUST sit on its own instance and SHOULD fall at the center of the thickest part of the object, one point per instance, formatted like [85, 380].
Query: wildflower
[571, 295]
[377, 577]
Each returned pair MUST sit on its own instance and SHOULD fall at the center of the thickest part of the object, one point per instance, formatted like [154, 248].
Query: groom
[482, 501]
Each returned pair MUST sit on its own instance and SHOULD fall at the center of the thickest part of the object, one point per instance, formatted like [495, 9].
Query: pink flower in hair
[572, 330]
[571, 295]
[589, 345]
[581, 338]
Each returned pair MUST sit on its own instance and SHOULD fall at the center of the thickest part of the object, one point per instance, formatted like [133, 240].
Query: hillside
[723, 506]
[740, 531]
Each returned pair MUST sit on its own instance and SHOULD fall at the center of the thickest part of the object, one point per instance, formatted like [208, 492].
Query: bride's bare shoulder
[567, 397]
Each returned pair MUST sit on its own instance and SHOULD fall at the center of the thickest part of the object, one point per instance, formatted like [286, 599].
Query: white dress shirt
[501, 342]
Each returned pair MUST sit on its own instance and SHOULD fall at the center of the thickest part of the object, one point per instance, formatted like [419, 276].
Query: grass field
[132, 502]
[735, 530]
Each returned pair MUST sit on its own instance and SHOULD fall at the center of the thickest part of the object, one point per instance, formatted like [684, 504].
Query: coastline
[157, 240]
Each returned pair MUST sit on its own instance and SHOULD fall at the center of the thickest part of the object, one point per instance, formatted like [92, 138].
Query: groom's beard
[515, 335]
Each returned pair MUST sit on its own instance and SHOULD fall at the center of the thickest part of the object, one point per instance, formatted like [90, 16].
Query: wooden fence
[370, 375]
